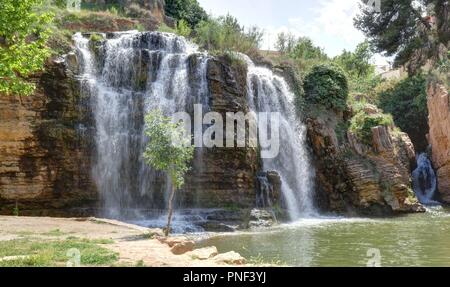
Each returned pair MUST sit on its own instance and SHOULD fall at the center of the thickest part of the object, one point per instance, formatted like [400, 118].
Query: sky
[329, 23]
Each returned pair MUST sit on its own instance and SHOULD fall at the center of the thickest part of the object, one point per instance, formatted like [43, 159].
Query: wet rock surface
[356, 178]
[439, 137]
[45, 147]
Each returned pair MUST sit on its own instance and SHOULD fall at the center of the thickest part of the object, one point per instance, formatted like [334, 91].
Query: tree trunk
[169, 218]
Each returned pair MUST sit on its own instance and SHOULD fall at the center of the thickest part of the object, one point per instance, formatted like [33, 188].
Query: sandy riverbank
[132, 243]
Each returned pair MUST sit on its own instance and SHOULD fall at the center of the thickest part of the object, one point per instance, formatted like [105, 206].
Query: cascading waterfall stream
[129, 74]
[270, 93]
[424, 181]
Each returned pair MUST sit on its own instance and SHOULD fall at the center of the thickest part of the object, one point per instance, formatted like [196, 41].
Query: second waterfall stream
[129, 74]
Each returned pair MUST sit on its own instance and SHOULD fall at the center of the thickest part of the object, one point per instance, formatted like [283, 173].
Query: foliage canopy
[188, 10]
[412, 31]
[23, 35]
[327, 85]
[407, 102]
[168, 148]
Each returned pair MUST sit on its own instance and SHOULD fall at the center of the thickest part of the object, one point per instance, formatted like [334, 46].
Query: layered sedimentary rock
[48, 150]
[353, 177]
[226, 176]
[439, 137]
[44, 148]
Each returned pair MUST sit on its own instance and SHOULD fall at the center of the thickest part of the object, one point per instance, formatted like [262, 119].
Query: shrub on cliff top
[326, 85]
[225, 34]
[362, 123]
[188, 10]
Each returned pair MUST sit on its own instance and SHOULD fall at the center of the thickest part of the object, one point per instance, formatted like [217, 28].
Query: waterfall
[268, 92]
[127, 75]
[424, 180]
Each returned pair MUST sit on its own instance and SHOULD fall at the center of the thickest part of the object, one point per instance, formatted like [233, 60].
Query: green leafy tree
[285, 42]
[407, 102]
[360, 71]
[412, 31]
[183, 28]
[305, 49]
[357, 63]
[23, 35]
[301, 50]
[168, 150]
[327, 86]
[188, 10]
[225, 34]
[362, 123]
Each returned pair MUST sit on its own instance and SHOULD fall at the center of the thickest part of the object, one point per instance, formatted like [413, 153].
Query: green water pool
[410, 240]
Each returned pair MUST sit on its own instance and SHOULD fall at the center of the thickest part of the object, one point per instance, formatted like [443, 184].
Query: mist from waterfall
[129, 75]
[268, 92]
[424, 181]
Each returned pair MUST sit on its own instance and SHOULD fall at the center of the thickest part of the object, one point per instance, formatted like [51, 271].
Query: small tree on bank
[168, 150]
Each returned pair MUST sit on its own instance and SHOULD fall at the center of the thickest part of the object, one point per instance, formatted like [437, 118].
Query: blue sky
[329, 23]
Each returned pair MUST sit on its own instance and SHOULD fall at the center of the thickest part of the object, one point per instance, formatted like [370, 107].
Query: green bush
[362, 123]
[188, 10]
[183, 28]
[226, 34]
[407, 102]
[326, 85]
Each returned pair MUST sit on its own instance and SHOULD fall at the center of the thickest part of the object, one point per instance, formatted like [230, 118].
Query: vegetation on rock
[326, 85]
[23, 35]
[187, 10]
[407, 102]
[362, 123]
[225, 34]
[359, 70]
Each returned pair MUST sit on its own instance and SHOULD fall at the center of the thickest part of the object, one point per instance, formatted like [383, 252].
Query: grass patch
[260, 261]
[140, 263]
[362, 124]
[55, 232]
[55, 253]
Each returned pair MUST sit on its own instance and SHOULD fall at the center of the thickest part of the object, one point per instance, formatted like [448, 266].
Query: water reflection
[413, 240]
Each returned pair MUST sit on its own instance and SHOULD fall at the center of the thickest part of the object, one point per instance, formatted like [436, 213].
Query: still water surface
[412, 240]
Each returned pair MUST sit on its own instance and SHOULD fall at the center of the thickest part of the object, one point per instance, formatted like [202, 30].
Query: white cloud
[331, 26]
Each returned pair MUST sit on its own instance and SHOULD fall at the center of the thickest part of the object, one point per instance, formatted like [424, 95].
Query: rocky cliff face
[44, 153]
[227, 176]
[439, 137]
[46, 147]
[353, 177]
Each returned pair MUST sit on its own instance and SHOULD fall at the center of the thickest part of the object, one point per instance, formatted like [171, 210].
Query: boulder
[232, 258]
[171, 241]
[183, 247]
[355, 177]
[203, 253]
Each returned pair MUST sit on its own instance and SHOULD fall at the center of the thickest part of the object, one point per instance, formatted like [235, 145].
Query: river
[410, 240]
